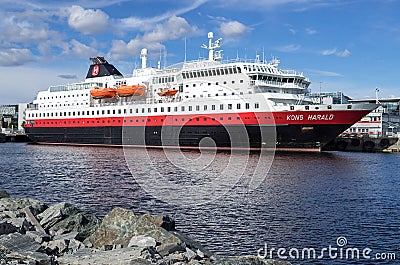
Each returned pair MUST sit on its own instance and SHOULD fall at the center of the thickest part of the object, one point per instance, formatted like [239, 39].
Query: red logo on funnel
[95, 70]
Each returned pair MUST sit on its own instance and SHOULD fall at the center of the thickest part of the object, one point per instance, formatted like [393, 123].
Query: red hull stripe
[249, 118]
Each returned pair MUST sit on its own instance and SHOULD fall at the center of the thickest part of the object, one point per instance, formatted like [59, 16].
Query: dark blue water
[305, 200]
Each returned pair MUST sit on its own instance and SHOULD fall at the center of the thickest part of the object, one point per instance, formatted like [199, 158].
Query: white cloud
[345, 53]
[233, 29]
[324, 73]
[78, 49]
[87, 21]
[289, 48]
[298, 5]
[329, 52]
[311, 31]
[334, 51]
[145, 24]
[27, 28]
[15, 57]
[172, 29]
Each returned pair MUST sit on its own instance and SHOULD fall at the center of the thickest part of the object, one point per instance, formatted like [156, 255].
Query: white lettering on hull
[321, 117]
[310, 117]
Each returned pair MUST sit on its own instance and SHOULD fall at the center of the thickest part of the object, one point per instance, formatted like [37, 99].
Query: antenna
[165, 57]
[377, 95]
[263, 55]
[185, 50]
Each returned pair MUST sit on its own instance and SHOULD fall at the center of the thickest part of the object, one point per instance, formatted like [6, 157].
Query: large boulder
[120, 225]
[14, 204]
[23, 249]
[128, 256]
[117, 228]
[11, 225]
[83, 223]
[56, 213]
[4, 194]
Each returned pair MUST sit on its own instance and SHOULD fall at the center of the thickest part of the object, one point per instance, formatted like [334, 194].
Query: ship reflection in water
[305, 200]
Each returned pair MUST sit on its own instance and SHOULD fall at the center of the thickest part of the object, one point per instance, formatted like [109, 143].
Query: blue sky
[351, 46]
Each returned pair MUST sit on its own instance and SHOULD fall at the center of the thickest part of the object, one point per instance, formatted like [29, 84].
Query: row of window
[237, 106]
[65, 96]
[217, 83]
[149, 120]
[211, 72]
[260, 68]
[163, 79]
[65, 105]
[360, 130]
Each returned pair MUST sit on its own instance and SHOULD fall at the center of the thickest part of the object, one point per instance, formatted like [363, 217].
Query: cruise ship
[206, 103]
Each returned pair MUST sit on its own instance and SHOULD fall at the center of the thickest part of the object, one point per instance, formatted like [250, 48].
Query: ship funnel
[143, 56]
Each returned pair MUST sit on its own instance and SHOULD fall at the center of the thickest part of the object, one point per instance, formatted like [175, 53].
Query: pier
[14, 137]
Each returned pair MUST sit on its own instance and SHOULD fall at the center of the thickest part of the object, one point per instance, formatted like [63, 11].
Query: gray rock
[56, 213]
[30, 258]
[117, 227]
[56, 247]
[74, 245]
[6, 227]
[11, 225]
[14, 204]
[32, 219]
[190, 254]
[200, 253]
[87, 256]
[145, 225]
[22, 248]
[142, 241]
[120, 225]
[4, 194]
[191, 243]
[83, 223]
[165, 222]
[248, 260]
[169, 248]
[67, 236]
[38, 236]
[11, 214]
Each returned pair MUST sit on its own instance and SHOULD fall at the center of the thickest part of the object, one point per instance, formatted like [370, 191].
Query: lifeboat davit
[127, 91]
[99, 93]
[168, 92]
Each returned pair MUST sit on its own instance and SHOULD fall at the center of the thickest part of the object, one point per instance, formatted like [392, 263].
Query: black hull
[283, 137]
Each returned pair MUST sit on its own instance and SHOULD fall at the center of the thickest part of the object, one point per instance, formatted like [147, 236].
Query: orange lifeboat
[168, 92]
[99, 93]
[127, 91]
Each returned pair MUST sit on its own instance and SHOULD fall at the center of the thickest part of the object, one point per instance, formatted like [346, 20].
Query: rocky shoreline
[33, 233]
